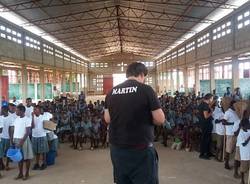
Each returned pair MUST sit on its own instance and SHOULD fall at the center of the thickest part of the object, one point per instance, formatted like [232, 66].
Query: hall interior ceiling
[103, 28]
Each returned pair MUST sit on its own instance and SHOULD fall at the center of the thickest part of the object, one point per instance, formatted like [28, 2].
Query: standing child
[22, 128]
[244, 144]
[230, 118]
[6, 134]
[29, 108]
[220, 131]
[39, 139]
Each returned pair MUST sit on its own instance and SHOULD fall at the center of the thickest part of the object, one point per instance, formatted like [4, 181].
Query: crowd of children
[23, 127]
[82, 124]
[230, 134]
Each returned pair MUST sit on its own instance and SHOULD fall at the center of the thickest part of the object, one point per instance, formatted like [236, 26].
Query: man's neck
[134, 78]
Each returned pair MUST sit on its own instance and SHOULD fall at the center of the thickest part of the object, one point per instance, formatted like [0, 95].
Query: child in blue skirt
[22, 128]
[39, 139]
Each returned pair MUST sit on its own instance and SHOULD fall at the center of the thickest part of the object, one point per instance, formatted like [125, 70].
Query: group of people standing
[230, 131]
[22, 127]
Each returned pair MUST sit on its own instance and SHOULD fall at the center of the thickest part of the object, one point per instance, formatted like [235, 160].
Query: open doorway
[118, 78]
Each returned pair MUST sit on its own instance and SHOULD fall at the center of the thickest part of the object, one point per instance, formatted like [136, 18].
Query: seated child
[95, 133]
[85, 130]
[178, 137]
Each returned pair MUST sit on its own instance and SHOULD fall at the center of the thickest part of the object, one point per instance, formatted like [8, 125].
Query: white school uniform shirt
[219, 128]
[28, 111]
[244, 150]
[231, 117]
[20, 125]
[47, 116]
[7, 122]
[38, 130]
[16, 103]
[13, 117]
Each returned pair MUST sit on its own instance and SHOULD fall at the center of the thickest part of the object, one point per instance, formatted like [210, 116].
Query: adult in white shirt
[218, 115]
[244, 145]
[39, 139]
[230, 118]
[29, 108]
[6, 135]
[22, 128]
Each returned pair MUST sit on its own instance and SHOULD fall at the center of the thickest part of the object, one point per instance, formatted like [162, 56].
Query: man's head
[208, 97]
[228, 88]
[137, 71]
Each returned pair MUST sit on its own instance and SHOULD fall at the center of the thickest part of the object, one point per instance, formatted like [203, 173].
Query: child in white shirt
[29, 108]
[39, 139]
[22, 128]
[8, 124]
[220, 131]
[244, 145]
[230, 118]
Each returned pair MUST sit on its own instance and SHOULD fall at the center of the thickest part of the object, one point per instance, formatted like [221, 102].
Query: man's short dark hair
[208, 96]
[135, 69]
[21, 108]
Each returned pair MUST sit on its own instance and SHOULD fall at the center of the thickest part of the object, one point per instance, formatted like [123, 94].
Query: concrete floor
[94, 167]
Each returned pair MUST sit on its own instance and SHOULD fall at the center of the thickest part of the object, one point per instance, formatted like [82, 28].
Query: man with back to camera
[132, 109]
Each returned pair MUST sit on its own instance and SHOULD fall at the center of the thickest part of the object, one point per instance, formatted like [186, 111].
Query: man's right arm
[158, 117]
[155, 107]
[106, 111]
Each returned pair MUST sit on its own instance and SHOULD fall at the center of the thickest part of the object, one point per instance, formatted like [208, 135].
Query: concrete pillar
[211, 73]
[42, 81]
[63, 82]
[54, 82]
[71, 82]
[76, 83]
[24, 83]
[185, 76]
[197, 79]
[235, 72]
[172, 82]
[178, 79]
[81, 82]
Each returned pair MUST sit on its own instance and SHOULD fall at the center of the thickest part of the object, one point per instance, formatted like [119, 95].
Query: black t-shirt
[130, 105]
[203, 107]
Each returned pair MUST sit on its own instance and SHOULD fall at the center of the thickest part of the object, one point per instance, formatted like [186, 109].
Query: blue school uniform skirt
[5, 145]
[54, 145]
[40, 145]
[26, 149]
